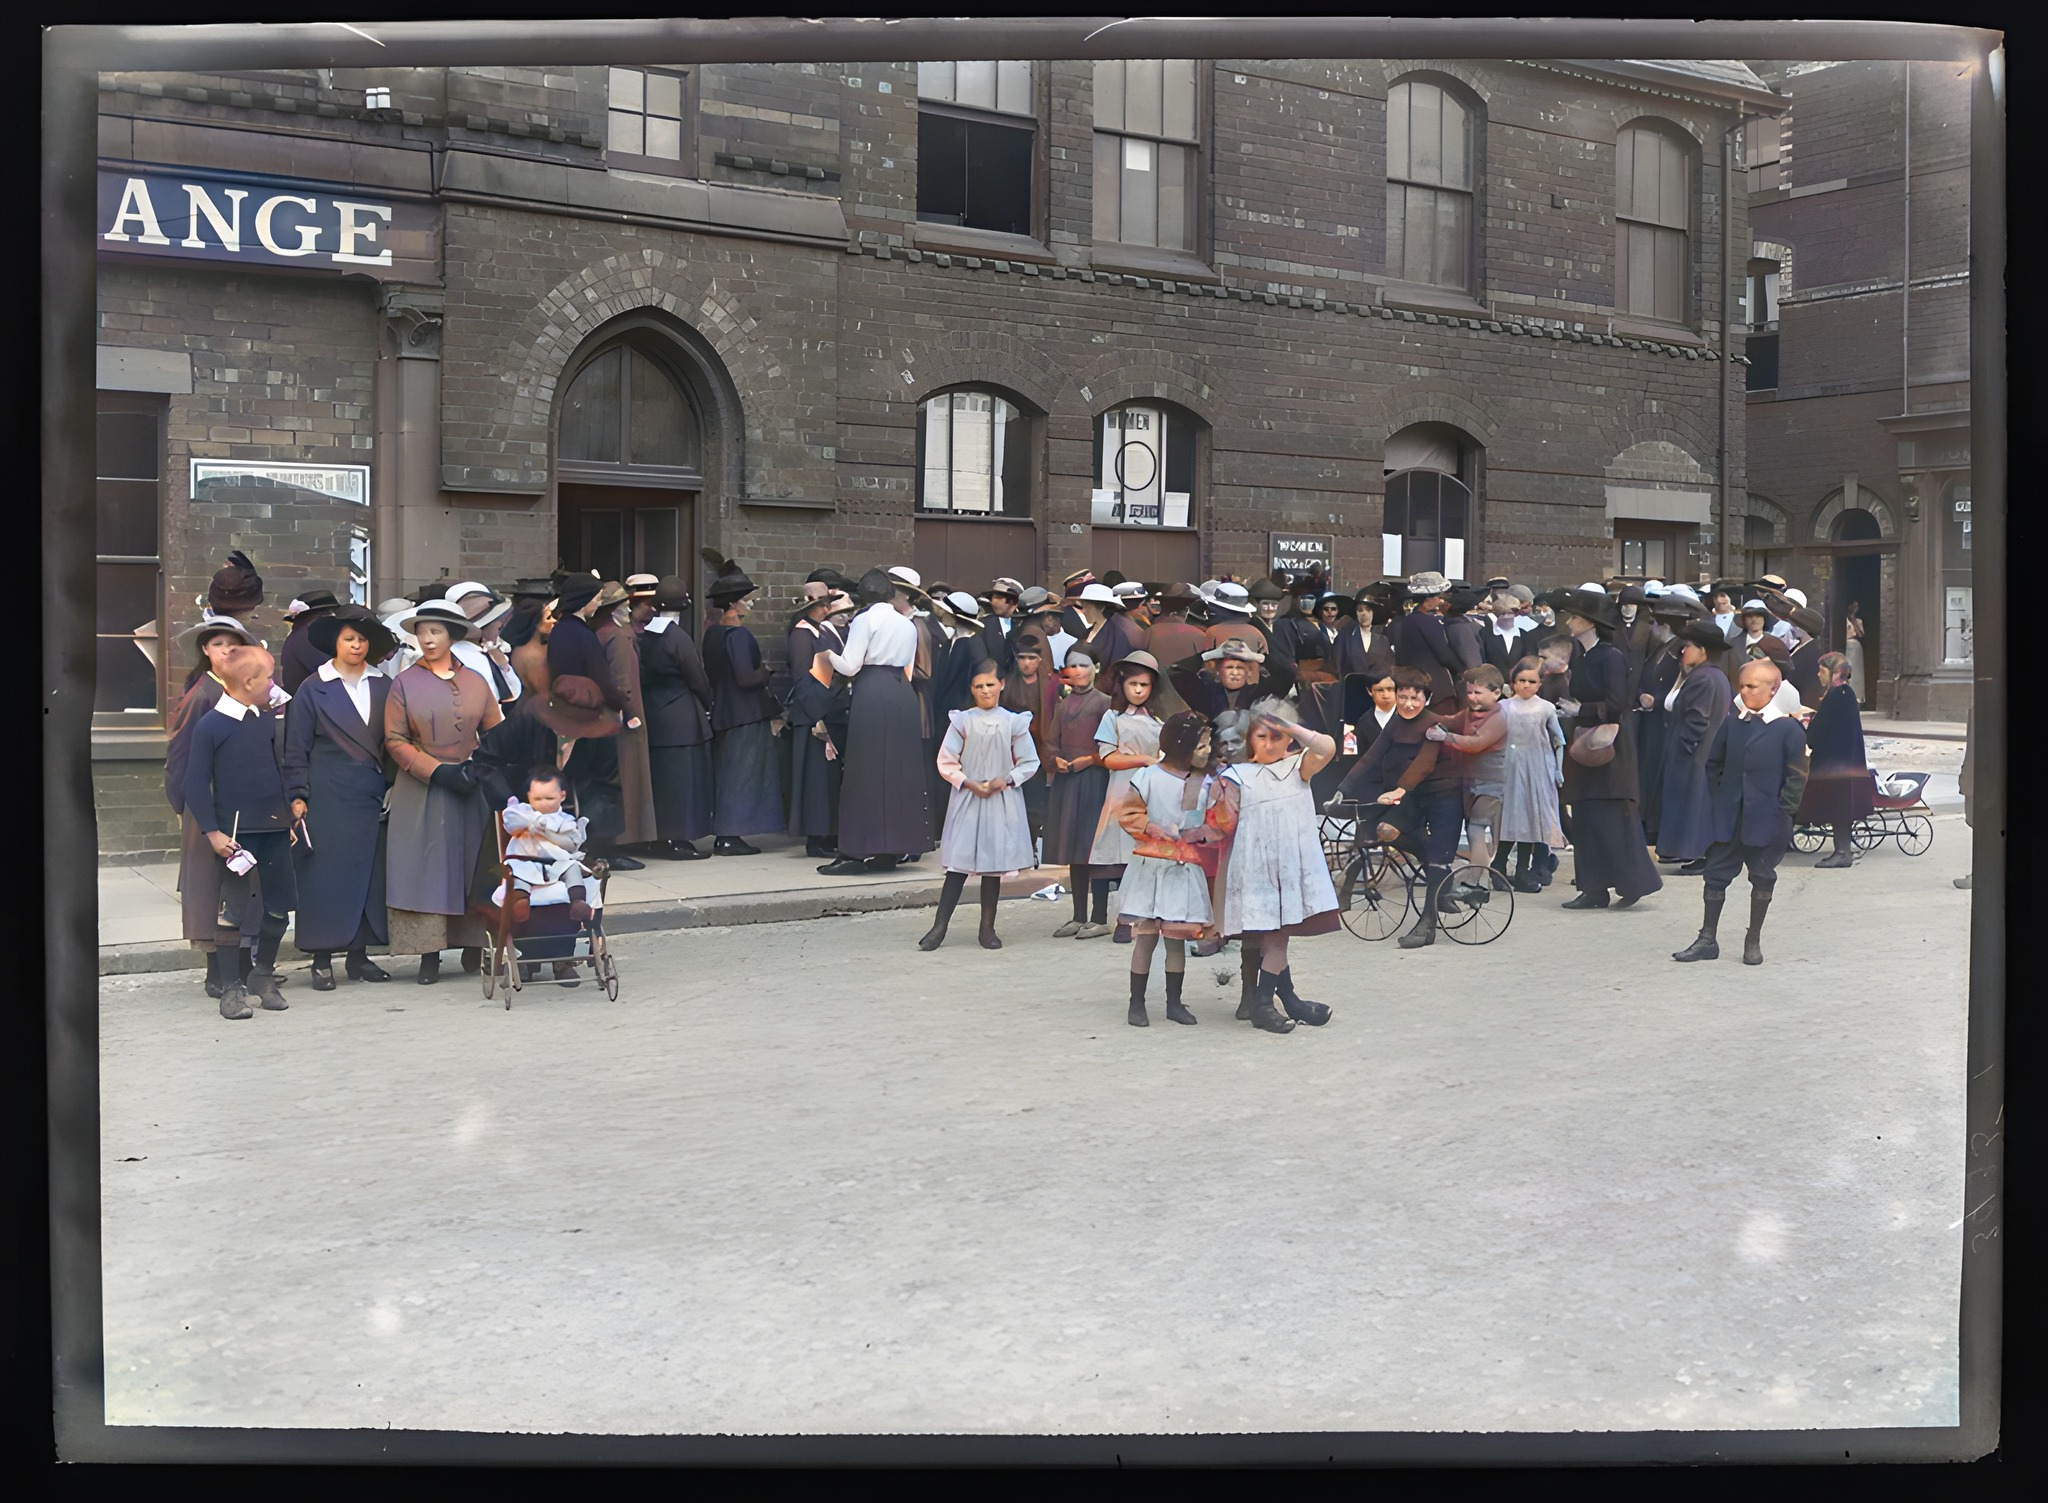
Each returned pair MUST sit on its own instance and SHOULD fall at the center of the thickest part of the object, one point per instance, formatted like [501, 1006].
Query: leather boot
[1175, 1012]
[472, 960]
[1844, 857]
[1136, 1018]
[949, 899]
[1248, 981]
[1588, 899]
[361, 968]
[323, 971]
[1264, 1015]
[216, 974]
[430, 968]
[1315, 1014]
[1705, 947]
[234, 1002]
[262, 986]
[991, 892]
[1424, 930]
[1759, 906]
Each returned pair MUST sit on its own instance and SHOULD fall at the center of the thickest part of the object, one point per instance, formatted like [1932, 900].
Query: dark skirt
[341, 879]
[1608, 849]
[1836, 796]
[435, 838]
[1652, 728]
[683, 791]
[1073, 810]
[1686, 827]
[748, 778]
[885, 804]
[593, 771]
[813, 786]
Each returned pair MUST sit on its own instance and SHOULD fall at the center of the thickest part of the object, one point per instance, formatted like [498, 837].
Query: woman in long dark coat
[744, 761]
[335, 774]
[1649, 722]
[817, 708]
[1608, 849]
[1693, 709]
[676, 694]
[199, 869]
[885, 808]
[433, 716]
[1838, 791]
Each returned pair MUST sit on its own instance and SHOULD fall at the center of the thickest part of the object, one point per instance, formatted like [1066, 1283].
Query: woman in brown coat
[199, 868]
[636, 764]
[437, 824]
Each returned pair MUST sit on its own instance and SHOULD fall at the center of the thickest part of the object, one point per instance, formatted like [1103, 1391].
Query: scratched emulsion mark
[1762, 1239]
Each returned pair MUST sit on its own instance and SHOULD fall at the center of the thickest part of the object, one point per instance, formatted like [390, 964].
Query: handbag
[1594, 746]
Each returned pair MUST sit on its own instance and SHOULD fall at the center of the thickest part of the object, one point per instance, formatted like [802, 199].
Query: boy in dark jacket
[1421, 799]
[234, 788]
[1756, 772]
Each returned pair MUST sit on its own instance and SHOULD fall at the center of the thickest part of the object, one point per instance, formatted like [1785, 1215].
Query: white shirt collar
[233, 708]
[1767, 714]
[328, 672]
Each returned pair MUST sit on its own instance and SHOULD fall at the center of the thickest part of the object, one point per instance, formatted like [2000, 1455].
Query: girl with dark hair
[1126, 740]
[1838, 791]
[1609, 852]
[987, 755]
[1165, 893]
[1534, 772]
[1030, 687]
[1078, 784]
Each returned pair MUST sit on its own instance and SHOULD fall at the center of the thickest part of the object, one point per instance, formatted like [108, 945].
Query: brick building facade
[1859, 402]
[1433, 314]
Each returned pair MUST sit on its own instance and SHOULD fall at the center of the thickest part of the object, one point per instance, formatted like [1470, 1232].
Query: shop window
[1146, 151]
[977, 130]
[1653, 225]
[645, 124]
[623, 408]
[973, 455]
[128, 623]
[1958, 628]
[1430, 142]
[1144, 467]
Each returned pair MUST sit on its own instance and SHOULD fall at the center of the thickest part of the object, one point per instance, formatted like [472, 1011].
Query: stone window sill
[1426, 299]
[122, 744]
[1149, 261]
[791, 503]
[961, 240]
[1650, 329]
[940, 514]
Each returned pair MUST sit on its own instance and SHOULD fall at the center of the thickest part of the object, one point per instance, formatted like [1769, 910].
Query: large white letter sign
[352, 230]
[309, 234]
[135, 205]
[228, 230]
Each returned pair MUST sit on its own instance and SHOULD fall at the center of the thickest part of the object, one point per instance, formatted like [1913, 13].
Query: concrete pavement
[802, 1178]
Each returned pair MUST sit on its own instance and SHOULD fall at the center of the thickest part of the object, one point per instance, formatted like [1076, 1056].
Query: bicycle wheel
[1915, 834]
[1482, 904]
[1375, 895]
[1871, 832]
[1808, 839]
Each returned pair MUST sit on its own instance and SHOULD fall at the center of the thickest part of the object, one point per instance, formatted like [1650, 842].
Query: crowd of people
[1173, 747]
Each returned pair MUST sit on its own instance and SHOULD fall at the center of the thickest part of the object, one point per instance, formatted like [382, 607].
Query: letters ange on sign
[1299, 553]
[247, 220]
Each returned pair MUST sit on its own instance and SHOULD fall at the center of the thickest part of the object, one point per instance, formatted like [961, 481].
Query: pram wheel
[1808, 839]
[1915, 834]
[607, 971]
[1484, 901]
[1868, 834]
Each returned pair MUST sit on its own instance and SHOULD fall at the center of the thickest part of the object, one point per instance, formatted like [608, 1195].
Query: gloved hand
[453, 777]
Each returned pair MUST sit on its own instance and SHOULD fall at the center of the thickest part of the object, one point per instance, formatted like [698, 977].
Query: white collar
[233, 708]
[1767, 714]
[327, 671]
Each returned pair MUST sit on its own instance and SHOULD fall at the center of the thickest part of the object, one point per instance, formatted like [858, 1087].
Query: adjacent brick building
[986, 318]
[1859, 400]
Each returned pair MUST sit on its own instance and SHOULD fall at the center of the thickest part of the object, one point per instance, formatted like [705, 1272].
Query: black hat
[875, 587]
[1462, 598]
[1632, 595]
[1595, 605]
[310, 601]
[729, 582]
[1265, 589]
[533, 589]
[325, 632]
[672, 594]
[1702, 633]
[236, 586]
[576, 591]
[1113, 578]
[428, 592]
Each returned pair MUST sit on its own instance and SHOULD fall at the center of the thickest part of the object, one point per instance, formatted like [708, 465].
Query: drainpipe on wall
[1906, 263]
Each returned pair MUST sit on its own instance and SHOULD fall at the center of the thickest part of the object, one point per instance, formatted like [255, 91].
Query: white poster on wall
[344, 482]
[1390, 555]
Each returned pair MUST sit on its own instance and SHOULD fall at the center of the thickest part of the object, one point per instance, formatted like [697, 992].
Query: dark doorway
[1854, 584]
[620, 530]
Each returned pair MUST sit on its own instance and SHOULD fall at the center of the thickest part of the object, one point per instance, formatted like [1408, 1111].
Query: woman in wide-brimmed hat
[744, 758]
[885, 808]
[817, 707]
[434, 714]
[336, 772]
[1420, 641]
[297, 658]
[1611, 859]
[1693, 708]
[634, 826]
[1110, 638]
[1126, 739]
[199, 869]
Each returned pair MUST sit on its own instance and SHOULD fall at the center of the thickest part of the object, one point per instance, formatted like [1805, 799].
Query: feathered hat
[729, 581]
[236, 586]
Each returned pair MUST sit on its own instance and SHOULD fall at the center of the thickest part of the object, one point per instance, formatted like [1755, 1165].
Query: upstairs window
[1429, 186]
[973, 455]
[1144, 467]
[1763, 155]
[1653, 226]
[1760, 319]
[977, 127]
[645, 123]
[1146, 148]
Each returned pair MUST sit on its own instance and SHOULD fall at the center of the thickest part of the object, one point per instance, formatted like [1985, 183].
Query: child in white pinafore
[1126, 740]
[1165, 890]
[988, 752]
[1533, 773]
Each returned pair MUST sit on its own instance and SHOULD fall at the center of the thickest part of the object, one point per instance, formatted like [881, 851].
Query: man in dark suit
[1756, 771]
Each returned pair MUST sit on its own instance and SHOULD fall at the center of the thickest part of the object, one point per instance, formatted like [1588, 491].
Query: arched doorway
[631, 439]
[1855, 582]
[1427, 518]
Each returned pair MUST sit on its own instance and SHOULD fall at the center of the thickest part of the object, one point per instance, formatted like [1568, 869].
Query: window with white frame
[1144, 466]
[645, 123]
[1653, 225]
[973, 455]
[1430, 151]
[977, 128]
[1147, 145]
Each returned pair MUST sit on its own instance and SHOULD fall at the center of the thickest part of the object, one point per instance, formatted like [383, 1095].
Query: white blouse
[359, 690]
[879, 637]
[1671, 699]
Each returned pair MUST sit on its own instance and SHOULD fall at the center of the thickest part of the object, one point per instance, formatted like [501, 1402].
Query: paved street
[803, 1178]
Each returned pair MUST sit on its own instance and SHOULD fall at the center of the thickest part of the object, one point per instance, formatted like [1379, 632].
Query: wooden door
[622, 530]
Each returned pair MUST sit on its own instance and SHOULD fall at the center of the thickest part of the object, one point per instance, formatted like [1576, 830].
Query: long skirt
[1686, 826]
[885, 800]
[748, 779]
[1651, 729]
[593, 770]
[636, 791]
[683, 791]
[814, 783]
[1073, 810]
[434, 839]
[200, 877]
[1853, 650]
[341, 878]
[1608, 849]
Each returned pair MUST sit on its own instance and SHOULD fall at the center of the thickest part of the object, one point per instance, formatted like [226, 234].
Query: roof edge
[1674, 81]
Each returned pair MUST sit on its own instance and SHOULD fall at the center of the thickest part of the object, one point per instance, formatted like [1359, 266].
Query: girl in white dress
[987, 753]
[1275, 879]
[1165, 890]
[1126, 740]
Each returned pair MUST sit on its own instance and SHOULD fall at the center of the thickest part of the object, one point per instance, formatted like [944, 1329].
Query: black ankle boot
[1704, 946]
[216, 974]
[361, 968]
[1175, 1012]
[1264, 1015]
[1248, 984]
[1752, 947]
[949, 899]
[1136, 1017]
[991, 892]
[1588, 899]
[323, 971]
[472, 960]
[430, 968]
[1424, 930]
[1315, 1014]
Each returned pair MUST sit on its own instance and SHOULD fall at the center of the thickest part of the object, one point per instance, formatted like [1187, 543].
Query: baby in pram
[544, 860]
